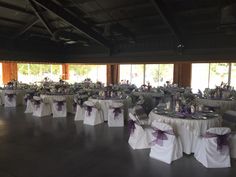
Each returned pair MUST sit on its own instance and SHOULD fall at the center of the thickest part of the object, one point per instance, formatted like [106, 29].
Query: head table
[188, 130]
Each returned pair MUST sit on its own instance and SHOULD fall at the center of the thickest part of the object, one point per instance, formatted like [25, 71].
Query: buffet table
[187, 129]
[223, 105]
[69, 100]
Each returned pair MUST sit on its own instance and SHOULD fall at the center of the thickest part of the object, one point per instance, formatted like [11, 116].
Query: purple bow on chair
[37, 103]
[116, 112]
[10, 96]
[131, 126]
[222, 140]
[160, 136]
[89, 109]
[59, 105]
[74, 106]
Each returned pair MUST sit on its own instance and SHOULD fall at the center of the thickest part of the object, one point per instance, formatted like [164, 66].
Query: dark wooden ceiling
[66, 24]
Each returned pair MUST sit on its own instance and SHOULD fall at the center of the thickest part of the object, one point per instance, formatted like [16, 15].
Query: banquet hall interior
[121, 88]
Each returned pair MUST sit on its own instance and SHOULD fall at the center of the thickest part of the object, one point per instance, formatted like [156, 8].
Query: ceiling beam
[27, 27]
[38, 13]
[73, 21]
[15, 8]
[168, 19]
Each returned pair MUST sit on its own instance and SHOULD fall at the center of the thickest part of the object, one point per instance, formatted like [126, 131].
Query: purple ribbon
[222, 140]
[74, 106]
[37, 103]
[10, 96]
[160, 136]
[89, 109]
[28, 97]
[131, 126]
[59, 105]
[116, 112]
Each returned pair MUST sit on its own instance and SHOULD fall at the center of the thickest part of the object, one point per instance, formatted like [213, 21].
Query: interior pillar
[182, 74]
[65, 71]
[9, 71]
[113, 74]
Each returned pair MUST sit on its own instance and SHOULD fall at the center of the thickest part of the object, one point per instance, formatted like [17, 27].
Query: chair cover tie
[10, 96]
[116, 112]
[59, 105]
[37, 103]
[160, 136]
[74, 106]
[222, 140]
[89, 109]
[28, 97]
[131, 126]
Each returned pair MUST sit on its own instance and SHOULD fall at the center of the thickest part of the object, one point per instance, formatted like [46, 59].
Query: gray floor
[47, 147]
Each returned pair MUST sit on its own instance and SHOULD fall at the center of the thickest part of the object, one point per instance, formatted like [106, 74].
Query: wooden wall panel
[9, 71]
[182, 74]
[65, 71]
[113, 74]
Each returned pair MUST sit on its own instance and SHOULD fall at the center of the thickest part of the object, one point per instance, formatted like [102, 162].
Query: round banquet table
[105, 104]
[223, 105]
[20, 93]
[69, 100]
[188, 130]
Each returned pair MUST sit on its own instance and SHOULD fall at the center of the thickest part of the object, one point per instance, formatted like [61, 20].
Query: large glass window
[78, 73]
[155, 74]
[210, 75]
[29, 73]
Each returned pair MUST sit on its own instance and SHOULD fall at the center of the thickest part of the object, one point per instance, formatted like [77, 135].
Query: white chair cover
[41, 107]
[208, 152]
[29, 106]
[10, 98]
[233, 145]
[92, 116]
[79, 115]
[116, 115]
[140, 137]
[59, 108]
[168, 149]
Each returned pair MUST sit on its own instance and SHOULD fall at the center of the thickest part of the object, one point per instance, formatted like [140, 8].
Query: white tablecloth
[223, 104]
[69, 100]
[189, 130]
[19, 96]
[105, 104]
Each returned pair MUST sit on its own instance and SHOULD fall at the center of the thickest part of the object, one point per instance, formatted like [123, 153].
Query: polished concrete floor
[47, 147]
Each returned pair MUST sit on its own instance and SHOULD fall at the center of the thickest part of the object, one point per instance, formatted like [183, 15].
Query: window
[155, 74]
[78, 73]
[29, 73]
[210, 75]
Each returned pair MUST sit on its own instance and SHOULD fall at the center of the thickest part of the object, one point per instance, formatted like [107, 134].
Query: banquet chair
[92, 114]
[165, 145]
[29, 103]
[41, 107]
[229, 119]
[10, 98]
[212, 149]
[116, 115]
[59, 108]
[140, 136]
[79, 113]
[232, 144]
[140, 114]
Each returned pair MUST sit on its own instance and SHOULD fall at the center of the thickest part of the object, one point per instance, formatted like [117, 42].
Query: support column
[65, 71]
[182, 74]
[9, 71]
[113, 74]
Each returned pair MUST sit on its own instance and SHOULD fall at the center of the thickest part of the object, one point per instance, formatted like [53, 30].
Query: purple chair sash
[10, 96]
[116, 112]
[222, 140]
[89, 109]
[59, 105]
[37, 103]
[131, 126]
[160, 136]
